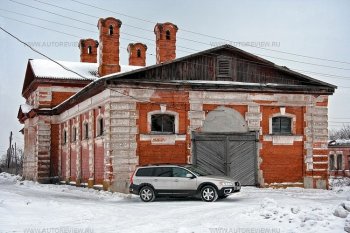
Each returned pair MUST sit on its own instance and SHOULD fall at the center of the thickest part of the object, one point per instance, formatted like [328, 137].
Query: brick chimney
[88, 50]
[165, 41]
[109, 46]
[137, 54]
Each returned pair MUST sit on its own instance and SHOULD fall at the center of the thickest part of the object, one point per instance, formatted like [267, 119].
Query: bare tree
[342, 133]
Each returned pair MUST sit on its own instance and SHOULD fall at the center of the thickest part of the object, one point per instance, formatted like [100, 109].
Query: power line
[341, 68]
[261, 64]
[206, 35]
[35, 25]
[329, 75]
[29, 16]
[308, 63]
[42, 54]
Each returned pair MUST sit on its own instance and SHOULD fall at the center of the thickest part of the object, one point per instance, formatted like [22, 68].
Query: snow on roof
[339, 142]
[26, 108]
[43, 68]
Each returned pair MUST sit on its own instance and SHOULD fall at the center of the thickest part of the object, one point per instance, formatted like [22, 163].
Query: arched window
[167, 35]
[89, 49]
[331, 162]
[138, 53]
[163, 123]
[340, 162]
[74, 134]
[110, 30]
[86, 130]
[281, 125]
[99, 127]
[64, 137]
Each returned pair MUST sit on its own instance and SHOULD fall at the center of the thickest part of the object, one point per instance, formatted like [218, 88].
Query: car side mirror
[189, 175]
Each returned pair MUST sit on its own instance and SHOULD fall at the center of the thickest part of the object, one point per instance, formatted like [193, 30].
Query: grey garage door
[233, 155]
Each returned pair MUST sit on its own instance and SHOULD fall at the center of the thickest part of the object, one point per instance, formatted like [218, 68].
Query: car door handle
[155, 180]
[176, 180]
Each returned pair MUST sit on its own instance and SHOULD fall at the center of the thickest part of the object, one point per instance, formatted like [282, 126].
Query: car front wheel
[209, 193]
[147, 194]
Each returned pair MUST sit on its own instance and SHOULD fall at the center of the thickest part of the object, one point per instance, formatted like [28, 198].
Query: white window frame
[84, 130]
[98, 118]
[176, 120]
[293, 122]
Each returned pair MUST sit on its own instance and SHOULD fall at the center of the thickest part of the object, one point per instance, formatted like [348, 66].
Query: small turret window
[138, 53]
[89, 49]
[110, 31]
[167, 35]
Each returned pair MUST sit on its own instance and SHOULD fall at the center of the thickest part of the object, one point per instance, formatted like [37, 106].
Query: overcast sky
[313, 28]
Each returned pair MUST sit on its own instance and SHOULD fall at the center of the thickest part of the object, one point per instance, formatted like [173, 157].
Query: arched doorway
[224, 146]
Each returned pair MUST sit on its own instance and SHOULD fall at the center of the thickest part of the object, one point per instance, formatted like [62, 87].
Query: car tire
[147, 194]
[209, 193]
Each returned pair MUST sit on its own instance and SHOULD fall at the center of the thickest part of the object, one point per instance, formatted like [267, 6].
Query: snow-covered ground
[30, 207]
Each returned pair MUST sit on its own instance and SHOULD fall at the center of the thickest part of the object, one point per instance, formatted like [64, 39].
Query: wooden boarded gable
[224, 63]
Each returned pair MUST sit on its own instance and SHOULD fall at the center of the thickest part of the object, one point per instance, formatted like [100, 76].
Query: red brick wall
[282, 163]
[84, 55]
[85, 163]
[165, 49]
[63, 165]
[156, 154]
[242, 109]
[54, 149]
[345, 152]
[59, 97]
[99, 163]
[134, 60]
[109, 46]
[73, 164]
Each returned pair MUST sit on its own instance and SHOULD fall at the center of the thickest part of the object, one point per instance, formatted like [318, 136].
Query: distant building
[223, 109]
[339, 158]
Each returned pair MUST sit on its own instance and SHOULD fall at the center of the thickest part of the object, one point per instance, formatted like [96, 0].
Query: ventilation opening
[223, 67]
[167, 35]
[110, 30]
[138, 53]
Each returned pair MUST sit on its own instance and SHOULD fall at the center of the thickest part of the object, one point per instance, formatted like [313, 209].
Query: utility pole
[16, 165]
[9, 151]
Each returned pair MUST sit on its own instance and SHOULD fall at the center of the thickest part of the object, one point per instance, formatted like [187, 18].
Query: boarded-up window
[281, 125]
[223, 67]
[74, 134]
[64, 136]
[340, 162]
[331, 162]
[86, 130]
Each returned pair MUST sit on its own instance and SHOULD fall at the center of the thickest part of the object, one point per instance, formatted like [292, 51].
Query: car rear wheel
[209, 193]
[147, 194]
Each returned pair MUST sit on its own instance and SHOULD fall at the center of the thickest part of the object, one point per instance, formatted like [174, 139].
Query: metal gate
[230, 154]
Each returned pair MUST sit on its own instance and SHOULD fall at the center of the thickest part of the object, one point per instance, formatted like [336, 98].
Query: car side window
[179, 172]
[144, 172]
[163, 172]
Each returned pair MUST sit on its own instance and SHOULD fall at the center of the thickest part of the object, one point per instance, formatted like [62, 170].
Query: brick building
[339, 158]
[223, 109]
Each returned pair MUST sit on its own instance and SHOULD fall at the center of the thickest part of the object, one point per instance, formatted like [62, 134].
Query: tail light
[132, 177]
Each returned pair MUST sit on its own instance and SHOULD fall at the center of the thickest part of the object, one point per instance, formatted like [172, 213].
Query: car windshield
[197, 171]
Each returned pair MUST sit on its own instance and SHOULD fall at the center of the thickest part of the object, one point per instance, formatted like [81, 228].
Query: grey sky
[314, 28]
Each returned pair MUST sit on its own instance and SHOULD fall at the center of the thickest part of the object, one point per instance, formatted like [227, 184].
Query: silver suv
[177, 181]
